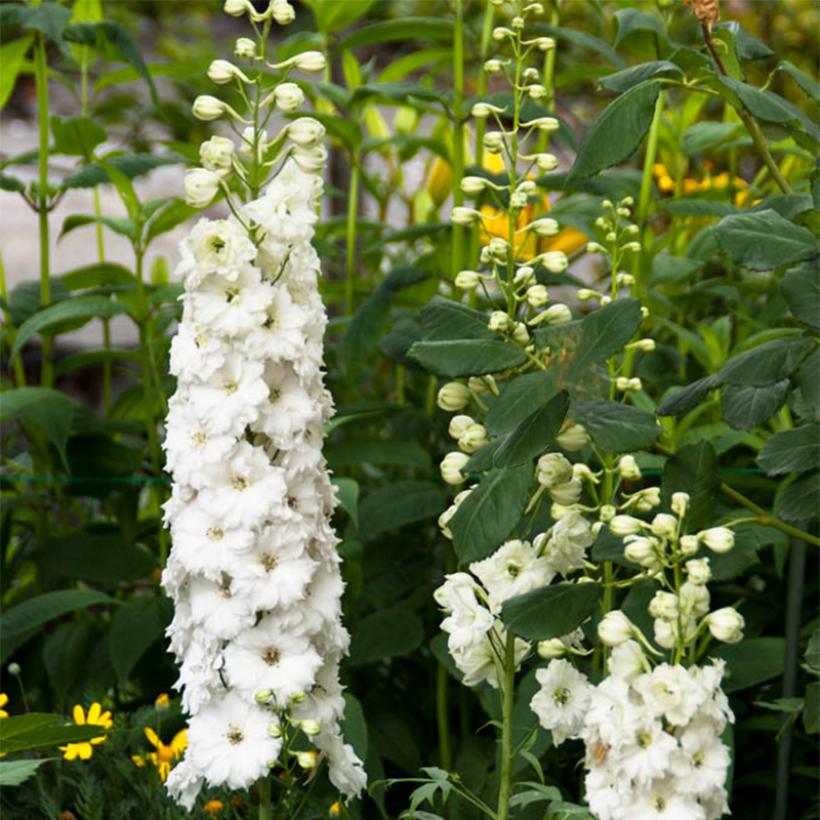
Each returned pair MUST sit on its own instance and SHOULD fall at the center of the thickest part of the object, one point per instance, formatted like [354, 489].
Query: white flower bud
[498, 248]
[726, 625]
[624, 280]
[473, 185]
[283, 13]
[688, 544]
[537, 296]
[573, 437]
[306, 131]
[207, 108]
[491, 67]
[568, 493]
[546, 162]
[555, 261]
[217, 153]
[545, 226]
[628, 468]
[517, 23]
[464, 216]
[518, 200]
[493, 142]
[646, 500]
[606, 513]
[524, 275]
[545, 43]
[467, 280]
[553, 469]
[499, 33]
[288, 97]
[520, 335]
[552, 648]
[694, 599]
[451, 466]
[625, 525]
[641, 550]
[201, 186]
[309, 61]
[556, 314]
[615, 628]
[458, 424]
[698, 571]
[307, 760]
[444, 520]
[482, 110]
[632, 247]
[499, 321]
[453, 396]
[310, 727]
[664, 633]
[311, 160]
[664, 525]
[664, 605]
[275, 729]
[481, 385]
[535, 91]
[223, 71]
[718, 539]
[236, 8]
[626, 385]
[244, 48]
[473, 438]
[263, 696]
[680, 503]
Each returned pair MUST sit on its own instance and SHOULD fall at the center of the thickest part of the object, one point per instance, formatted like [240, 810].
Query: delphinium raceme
[254, 571]
[653, 718]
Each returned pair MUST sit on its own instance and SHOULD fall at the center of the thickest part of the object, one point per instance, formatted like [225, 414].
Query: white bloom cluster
[476, 635]
[254, 571]
[652, 737]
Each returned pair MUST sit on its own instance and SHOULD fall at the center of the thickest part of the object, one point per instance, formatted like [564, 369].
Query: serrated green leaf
[552, 611]
[15, 772]
[534, 434]
[790, 451]
[397, 504]
[616, 427]
[467, 357]
[767, 363]
[519, 399]
[801, 290]
[745, 406]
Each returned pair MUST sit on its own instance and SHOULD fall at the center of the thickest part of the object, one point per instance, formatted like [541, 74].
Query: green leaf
[386, 31]
[764, 240]
[518, 399]
[796, 501]
[617, 427]
[343, 128]
[811, 709]
[801, 290]
[51, 410]
[791, 451]
[11, 58]
[77, 311]
[812, 654]
[76, 136]
[348, 495]
[15, 772]
[762, 105]
[751, 662]
[632, 23]
[672, 270]
[135, 627]
[807, 84]
[693, 469]
[399, 503]
[103, 557]
[487, 516]
[552, 611]
[174, 213]
[48, 18]
[618, 131]
[378, 451]
[767, 363]
[21, 621]
[443, 319]
[332, 16]
[387, 634]
[534, 434]
[37, 730]
[121, 225]
[354, 725]
[624, 80]
[397, 343]
[467, 357]
[132, 165]
[745, 406]
[706, 136]
[102, 275]
[686, 398]
[24, 299]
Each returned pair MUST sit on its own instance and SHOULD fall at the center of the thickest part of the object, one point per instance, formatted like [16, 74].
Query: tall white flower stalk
[254, 571]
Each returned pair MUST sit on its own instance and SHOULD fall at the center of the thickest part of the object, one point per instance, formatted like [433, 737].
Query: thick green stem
[265, 805]
[458, 132]
[41, 83]
[442, 718]
[767, 520]
[508, 689]
[350, 234]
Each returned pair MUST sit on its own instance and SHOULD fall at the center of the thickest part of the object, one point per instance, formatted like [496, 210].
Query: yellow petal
[94, 712]
[85, 750]
[78, 714]
[4, 698]
[153, 737]
[180, 742]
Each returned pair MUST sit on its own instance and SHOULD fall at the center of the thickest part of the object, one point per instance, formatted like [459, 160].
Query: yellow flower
[213, 807]
[4, 699]
[162, 702]
[165, 756]
[95, 717]
[335, 810]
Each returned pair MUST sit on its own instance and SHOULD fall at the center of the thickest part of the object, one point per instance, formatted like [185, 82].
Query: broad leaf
[791, 451]
[751, 662]
[617, 427]
[37, 730]
[745, 406]
[767, 363]
[552, 611]
[801, 290]
[51, 410]
[398, 504]
[694, 470]
[467, 357]
[534, 434]
[519, 399]
[386, 634]
[686, 398]
[135, 627]
[15, 772]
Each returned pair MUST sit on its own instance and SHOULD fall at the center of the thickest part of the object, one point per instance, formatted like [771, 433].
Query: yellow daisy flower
[4, 699]
[166, 755]
[162, 702]
[213, 807]
[95, 717]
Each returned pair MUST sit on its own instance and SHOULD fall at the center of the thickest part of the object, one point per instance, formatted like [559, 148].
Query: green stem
[442, 717]
[643, 260]
[350, 234]
[265, 805]
[505, 784]
[767, 520]
[16, 362]
[41, 83]
[458, 132]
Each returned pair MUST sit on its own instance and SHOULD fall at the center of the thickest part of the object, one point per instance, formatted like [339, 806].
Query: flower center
[217, 244]
[271, 656]
[644, 740]
[562, 696]
[659, 804]
[215, 533]
[199, 438]
[234, 735]
[239, 483]
[513, 570]
[268, 561]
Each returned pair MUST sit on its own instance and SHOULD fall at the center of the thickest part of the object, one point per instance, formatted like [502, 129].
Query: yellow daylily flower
[95, 717]
[165, 755]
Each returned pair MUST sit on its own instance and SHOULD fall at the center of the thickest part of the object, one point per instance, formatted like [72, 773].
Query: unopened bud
[453, 396]
[451, 467]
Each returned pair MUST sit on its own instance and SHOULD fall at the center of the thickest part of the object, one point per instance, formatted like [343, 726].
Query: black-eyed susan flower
[95, 717]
